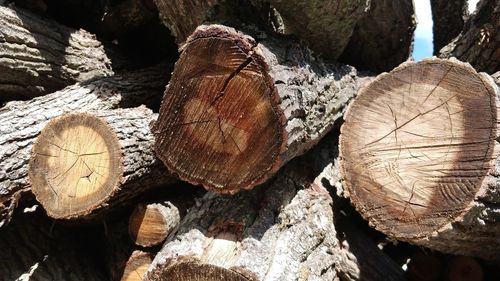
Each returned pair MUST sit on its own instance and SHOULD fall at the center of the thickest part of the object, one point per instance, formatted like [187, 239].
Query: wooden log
[235, 110]
[39, 56]
[419, 154]
[22, 121]
[248, 236]
[82, 163]
[150, 224]
[33, 248]
[448, 19]
[479, 41]
[383, 36]
[425, 267]
[137, 265]
[326, 26]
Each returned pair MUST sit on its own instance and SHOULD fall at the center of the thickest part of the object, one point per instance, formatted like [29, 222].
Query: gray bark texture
[284, 230]
[23, 120]
[479, 41]
[448, 18]
[39, 56]
[383, 36]
[35, 249]
[326, 26]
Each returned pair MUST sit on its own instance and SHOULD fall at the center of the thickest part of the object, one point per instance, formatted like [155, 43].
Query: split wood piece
[150, 224]
[39, 56]
[137, 266]
[33, 248]
[479, 41]
[418, 152]
[448, 19]
[248, 236]
[82, 163]
[464, 269]
[235, 110]
[383, 36]
[22, 121]
[326, 26]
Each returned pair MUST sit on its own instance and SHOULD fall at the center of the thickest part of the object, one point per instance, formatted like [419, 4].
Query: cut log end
[149, 225]
[220, 123]
[75, 165]
[196, 271]
[137, 266]
[417, 144]
[463, 268]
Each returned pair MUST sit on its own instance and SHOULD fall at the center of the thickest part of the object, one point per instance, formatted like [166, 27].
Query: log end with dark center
[417, 144]
[75, 165]
[220, 124]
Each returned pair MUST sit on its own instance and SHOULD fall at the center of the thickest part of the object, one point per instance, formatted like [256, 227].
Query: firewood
[479, 41]
[383, 36]
[22, 121]
[326, 26]
[462, 268]
[150, 224]
[425, 267]
[249, 236]
[418, 154]
[137, 266]
[39, 56]
[448, 19]
[235, 110]
[83, 162]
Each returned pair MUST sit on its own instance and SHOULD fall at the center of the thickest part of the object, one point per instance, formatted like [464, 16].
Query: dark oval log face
[75, 165]
[417, 144]
[194, 271]
[219, 123]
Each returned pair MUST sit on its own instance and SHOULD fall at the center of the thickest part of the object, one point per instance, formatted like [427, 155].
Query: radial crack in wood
[236, 110]
[82, 162]
[418, 152]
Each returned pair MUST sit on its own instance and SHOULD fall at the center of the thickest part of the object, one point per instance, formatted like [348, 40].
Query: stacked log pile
[260, 140]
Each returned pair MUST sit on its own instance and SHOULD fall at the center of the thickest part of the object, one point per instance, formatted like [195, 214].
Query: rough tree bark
[448, 18]
[235, 110]
[33, 248]
[479, 41]
[248, 236]
[280, 231]
[383, 36]
[326, 26]
[39, 56]
[83, 163]
[23, 120]
[419, 155]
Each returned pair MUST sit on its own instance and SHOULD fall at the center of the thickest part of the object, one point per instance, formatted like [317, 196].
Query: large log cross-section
[236, 110]
[419, 156]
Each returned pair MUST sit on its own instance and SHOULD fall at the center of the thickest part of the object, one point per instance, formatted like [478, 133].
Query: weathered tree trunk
[235, 110]
[383, 36]
[39, 56]
[448, 18]
[33, 248]
[479, 41]
[283, 231]
[419, 156]
[22, 121]
[326, 26]
[82, 163]
[150, 224]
